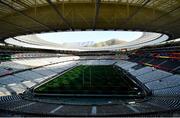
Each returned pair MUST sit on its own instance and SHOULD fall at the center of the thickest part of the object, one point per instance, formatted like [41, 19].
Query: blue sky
[83, 36]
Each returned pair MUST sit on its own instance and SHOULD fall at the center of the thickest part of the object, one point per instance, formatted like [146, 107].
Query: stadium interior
[136, 78]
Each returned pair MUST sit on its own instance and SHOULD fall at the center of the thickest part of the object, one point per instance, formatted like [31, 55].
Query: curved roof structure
[20, 17]
[33, 41]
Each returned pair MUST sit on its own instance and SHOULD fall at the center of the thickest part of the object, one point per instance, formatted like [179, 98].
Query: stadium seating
[97, 62]
[16, 88]
[10, 98]
[169, 91]
[4, 91]
[163, 85]
[30, 77]
[153, 75]
[13, 66]
[4, 71]
[61, 109]
[142, 71]
[25, 74]
[10, 79]
[165, 82]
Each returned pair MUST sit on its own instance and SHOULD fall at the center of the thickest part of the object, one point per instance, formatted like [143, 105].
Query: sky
[84, 36]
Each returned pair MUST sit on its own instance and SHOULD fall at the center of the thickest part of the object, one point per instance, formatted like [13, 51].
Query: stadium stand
[151, 62]
[20, 75]
[160, 82]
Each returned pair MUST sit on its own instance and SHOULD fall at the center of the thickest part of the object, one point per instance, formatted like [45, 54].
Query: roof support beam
[18, 26]
[21, 3]
[131, 1]
[136, 12]
[60, 14]
[138, 1]
[150, 23]
[163, 15]
[97, 6]
[29, 17]
[167, 25]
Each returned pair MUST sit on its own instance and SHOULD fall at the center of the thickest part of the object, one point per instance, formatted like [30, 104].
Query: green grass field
[90, 80]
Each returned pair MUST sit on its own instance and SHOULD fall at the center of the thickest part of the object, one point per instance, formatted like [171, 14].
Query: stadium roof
[33, 41]
[20, 17]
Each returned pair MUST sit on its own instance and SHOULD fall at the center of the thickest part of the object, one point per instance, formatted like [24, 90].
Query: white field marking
[54, 110]
[22, 106]
[132, 108]
[94, 110]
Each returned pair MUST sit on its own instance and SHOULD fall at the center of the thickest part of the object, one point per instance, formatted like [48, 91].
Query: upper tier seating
[165, 82]
[153, 75]
[142, 71]
[98, 62]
